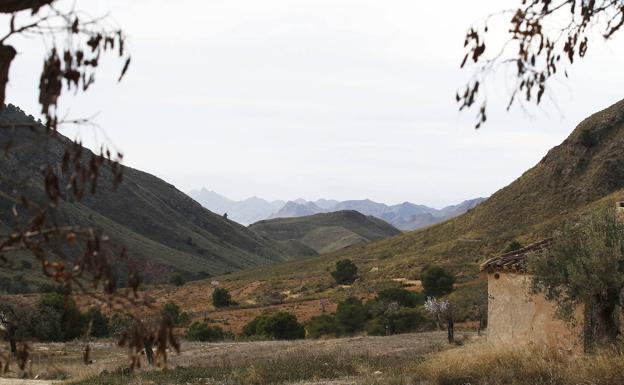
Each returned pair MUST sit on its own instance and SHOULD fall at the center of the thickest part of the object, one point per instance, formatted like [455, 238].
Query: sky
[340, 99]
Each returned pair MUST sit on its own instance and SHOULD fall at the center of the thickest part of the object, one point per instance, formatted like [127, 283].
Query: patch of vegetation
[436, 281]
[177, 280]
[351, 314]
[280, 326]
[324, 325]
[346, 272]
[201, 331]
[402, 297]
[221, 297]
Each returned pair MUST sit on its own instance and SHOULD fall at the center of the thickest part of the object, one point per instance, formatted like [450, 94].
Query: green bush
[201, 331]
[436, 281]
[221, 297]
[98, 323]
[71, 321]
[177, 280]
[351, 314]
[171, 311]
[401, 321]
[280, 326]
[345, 273]
[323, 325]
[402, 297]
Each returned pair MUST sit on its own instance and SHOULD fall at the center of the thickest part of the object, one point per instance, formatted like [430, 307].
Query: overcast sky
[343, 99]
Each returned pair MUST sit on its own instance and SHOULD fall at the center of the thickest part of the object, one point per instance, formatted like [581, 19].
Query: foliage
[401, 296]
[177, 280]
[201, 331]
[397, 321]
[171, 311]
[97, 322]
[535, 52]
[280, 326]
[346, 272]
[221, 297]
[513, 246]
[436, 281]
[14, 285]
[470, 302]
[351, 314]
[584, 265]
[589, 138]
[323, 325]
[71, 321]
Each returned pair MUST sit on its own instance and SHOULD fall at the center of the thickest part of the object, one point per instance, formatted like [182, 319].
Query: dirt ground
[49, 360]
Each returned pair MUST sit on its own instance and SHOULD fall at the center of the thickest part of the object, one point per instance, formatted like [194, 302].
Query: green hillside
[162, 227]
[583, 173]
[327, 232]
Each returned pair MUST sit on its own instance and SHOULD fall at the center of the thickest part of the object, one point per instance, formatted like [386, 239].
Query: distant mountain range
[404, 216]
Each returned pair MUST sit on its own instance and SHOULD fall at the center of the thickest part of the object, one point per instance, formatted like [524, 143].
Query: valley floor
[58, 361]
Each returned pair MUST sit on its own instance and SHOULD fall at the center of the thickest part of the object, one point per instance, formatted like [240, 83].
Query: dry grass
[484, 364]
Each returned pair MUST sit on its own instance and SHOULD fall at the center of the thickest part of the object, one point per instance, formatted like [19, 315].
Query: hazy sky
[343, 99]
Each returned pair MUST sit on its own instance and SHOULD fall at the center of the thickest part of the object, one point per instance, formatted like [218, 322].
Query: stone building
[515, 314]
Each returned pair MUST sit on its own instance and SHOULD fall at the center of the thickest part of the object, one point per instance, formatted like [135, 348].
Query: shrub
[402, 297]
[221, 297]
[171, 311]
[589, 138]
[71, 320]
[98, 323]
[345, 273]
[351, 314]
[513, 246]
[436, 281]
[323, 325]
[177, 280]
[280, 326]
[201, 331]
[399, 321]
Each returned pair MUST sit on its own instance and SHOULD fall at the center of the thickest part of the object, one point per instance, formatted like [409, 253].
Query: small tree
[201, 331]
[280, 326]
[402, 297]
[97, 323]
[345, 273]
[436, 281]
[221, 297]
[442, 310]
[177, 280]
[323, 325]
[351, 314]
[171, 312]
[584, 265]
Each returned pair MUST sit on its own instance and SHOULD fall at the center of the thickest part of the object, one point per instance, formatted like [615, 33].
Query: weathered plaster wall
[516, 316]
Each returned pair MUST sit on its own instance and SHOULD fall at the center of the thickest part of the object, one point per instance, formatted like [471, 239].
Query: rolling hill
[582, 174]
[326, 232]
[162, 227]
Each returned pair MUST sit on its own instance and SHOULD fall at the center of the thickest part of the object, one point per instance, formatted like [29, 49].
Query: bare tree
[75, 257]
[535, 52]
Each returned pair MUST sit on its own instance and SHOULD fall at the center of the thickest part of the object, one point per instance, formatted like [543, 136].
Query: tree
[513, 246]
[97, 323]
[323, 325]
[436, 281]
[221, 297]
[171, 311]
[402, 297]
[351, 314]
[584, 265]
[201, 331]
[72, 322]
[177, 280]
[280, 326]
[442, 311]
[545, 38]
[345, 273]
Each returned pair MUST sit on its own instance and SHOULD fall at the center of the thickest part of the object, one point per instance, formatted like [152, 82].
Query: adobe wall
[515, 316]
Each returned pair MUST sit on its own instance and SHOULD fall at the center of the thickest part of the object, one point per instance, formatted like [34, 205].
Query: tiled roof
[514, 260]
